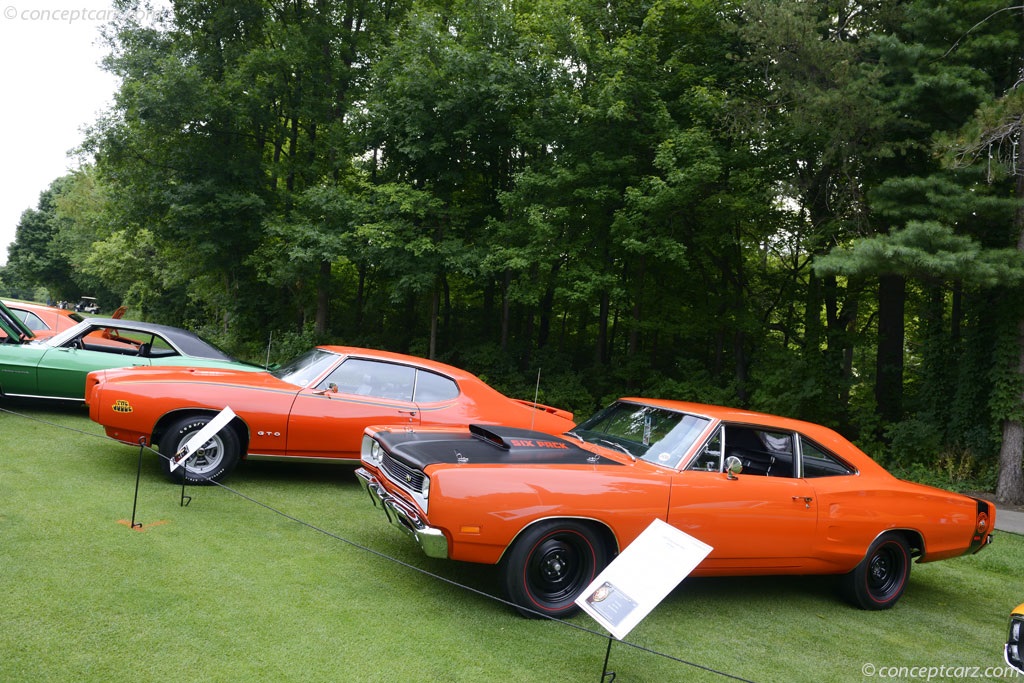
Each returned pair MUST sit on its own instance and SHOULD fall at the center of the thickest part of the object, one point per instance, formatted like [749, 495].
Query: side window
[431, 387]
[710, 457]
[159, 348]
[372, 378]
[110, 340]
[34, 322]
[818, 462]
[762, 451]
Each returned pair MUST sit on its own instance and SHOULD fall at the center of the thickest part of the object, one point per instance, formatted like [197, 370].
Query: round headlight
[375, 450]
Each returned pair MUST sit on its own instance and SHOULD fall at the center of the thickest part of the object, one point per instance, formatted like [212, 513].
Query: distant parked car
[771, 495]
[1014, 651]
[44, 321]
[315, 408]
[88, 305]
[56, 367]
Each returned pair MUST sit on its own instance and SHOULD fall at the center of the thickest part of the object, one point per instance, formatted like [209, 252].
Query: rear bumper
[402, 515]
[983, 533]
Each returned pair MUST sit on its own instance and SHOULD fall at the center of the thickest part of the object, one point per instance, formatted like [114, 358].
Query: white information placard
[641, 576]
[218, 423]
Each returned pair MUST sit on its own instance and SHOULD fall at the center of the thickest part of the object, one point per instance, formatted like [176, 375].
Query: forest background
[811, 208]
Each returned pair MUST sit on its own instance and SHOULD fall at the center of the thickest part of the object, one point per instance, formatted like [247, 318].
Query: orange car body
[819, 512]
[318, 413]
[44, 321]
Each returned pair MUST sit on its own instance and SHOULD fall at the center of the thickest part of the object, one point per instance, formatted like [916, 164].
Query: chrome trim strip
[49, 398]
[400, 514]
[317, 460]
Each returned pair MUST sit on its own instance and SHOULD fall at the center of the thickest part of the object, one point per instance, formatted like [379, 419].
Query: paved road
[1010, 520]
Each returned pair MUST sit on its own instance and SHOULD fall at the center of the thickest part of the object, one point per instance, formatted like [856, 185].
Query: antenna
[536, 392]
[270, 340]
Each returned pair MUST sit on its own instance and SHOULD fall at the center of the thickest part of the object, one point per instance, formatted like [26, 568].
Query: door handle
[806, 499]
[410, 413]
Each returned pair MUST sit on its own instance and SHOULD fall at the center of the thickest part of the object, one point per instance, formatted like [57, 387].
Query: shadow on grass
[32, 406]
[757, 590]
[294, 473]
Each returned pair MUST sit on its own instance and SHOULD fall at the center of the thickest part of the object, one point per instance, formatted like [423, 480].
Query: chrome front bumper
[404, 516]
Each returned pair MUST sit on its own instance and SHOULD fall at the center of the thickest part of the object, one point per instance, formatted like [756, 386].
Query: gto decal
[121, 406]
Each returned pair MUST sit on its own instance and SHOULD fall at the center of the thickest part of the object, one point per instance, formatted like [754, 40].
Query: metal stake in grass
[605, 673]
[138, 477]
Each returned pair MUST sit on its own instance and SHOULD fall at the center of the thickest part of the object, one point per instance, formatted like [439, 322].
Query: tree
[35, 258]
[996, 137]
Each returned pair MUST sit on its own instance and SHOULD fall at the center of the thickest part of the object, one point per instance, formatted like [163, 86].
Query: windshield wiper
[618, 447]
[575, 435]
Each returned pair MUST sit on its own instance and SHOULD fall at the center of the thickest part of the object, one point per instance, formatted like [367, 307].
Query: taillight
[981, 526]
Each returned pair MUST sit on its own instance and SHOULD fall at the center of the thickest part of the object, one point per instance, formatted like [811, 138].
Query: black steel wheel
[881, 577]
[550, 564]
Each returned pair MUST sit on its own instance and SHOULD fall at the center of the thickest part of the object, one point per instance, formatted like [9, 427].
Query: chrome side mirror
[332, 388]
[733, 466]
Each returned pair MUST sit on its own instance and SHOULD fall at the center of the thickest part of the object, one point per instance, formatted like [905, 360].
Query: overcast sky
[52, 88]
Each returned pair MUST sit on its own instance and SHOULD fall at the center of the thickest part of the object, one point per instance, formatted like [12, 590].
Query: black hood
[486, 444]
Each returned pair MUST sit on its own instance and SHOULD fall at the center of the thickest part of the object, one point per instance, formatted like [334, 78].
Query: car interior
[767, 453]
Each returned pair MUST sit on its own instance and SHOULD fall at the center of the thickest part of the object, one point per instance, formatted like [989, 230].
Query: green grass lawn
[226, 589]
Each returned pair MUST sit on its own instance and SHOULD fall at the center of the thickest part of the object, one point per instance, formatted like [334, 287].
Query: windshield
[654, 434]
[63, 337]
[307, 367]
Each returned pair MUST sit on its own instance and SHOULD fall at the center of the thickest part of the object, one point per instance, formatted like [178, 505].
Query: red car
[771, 495]
[315, 408]
[44, 321]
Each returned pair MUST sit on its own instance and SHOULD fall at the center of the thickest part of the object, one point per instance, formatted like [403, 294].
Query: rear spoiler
[12, 325]
[547, 409]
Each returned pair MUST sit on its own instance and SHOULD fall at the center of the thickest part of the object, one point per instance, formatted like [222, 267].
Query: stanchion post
[607, 675]
[138, 478]
[185, 500]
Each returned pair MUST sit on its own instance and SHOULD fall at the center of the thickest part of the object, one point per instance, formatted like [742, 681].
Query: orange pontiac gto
[315, 408]
[771, 496]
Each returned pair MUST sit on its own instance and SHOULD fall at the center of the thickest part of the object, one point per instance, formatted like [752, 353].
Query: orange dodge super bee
[770, 495]
[314, 408]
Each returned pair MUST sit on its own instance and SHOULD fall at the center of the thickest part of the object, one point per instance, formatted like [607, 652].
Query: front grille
[403, 475]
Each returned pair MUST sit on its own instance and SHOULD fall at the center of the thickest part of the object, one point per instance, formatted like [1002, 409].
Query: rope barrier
[395, 560]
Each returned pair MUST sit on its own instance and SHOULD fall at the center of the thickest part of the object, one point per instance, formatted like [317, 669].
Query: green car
[55, 368]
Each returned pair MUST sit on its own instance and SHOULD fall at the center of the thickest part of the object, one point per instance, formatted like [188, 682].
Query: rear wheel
[550, 564]
[881, 577]
[211, 463]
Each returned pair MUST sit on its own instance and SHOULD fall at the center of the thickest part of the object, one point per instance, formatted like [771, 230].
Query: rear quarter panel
[481, 404]
[129, 408]
[854, 511]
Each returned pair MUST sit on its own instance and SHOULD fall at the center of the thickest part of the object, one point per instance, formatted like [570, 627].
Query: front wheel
[212, 462]
[550, 564]
[881, 577]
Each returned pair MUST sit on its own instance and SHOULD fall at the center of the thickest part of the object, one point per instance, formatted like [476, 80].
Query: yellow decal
[122, 406]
